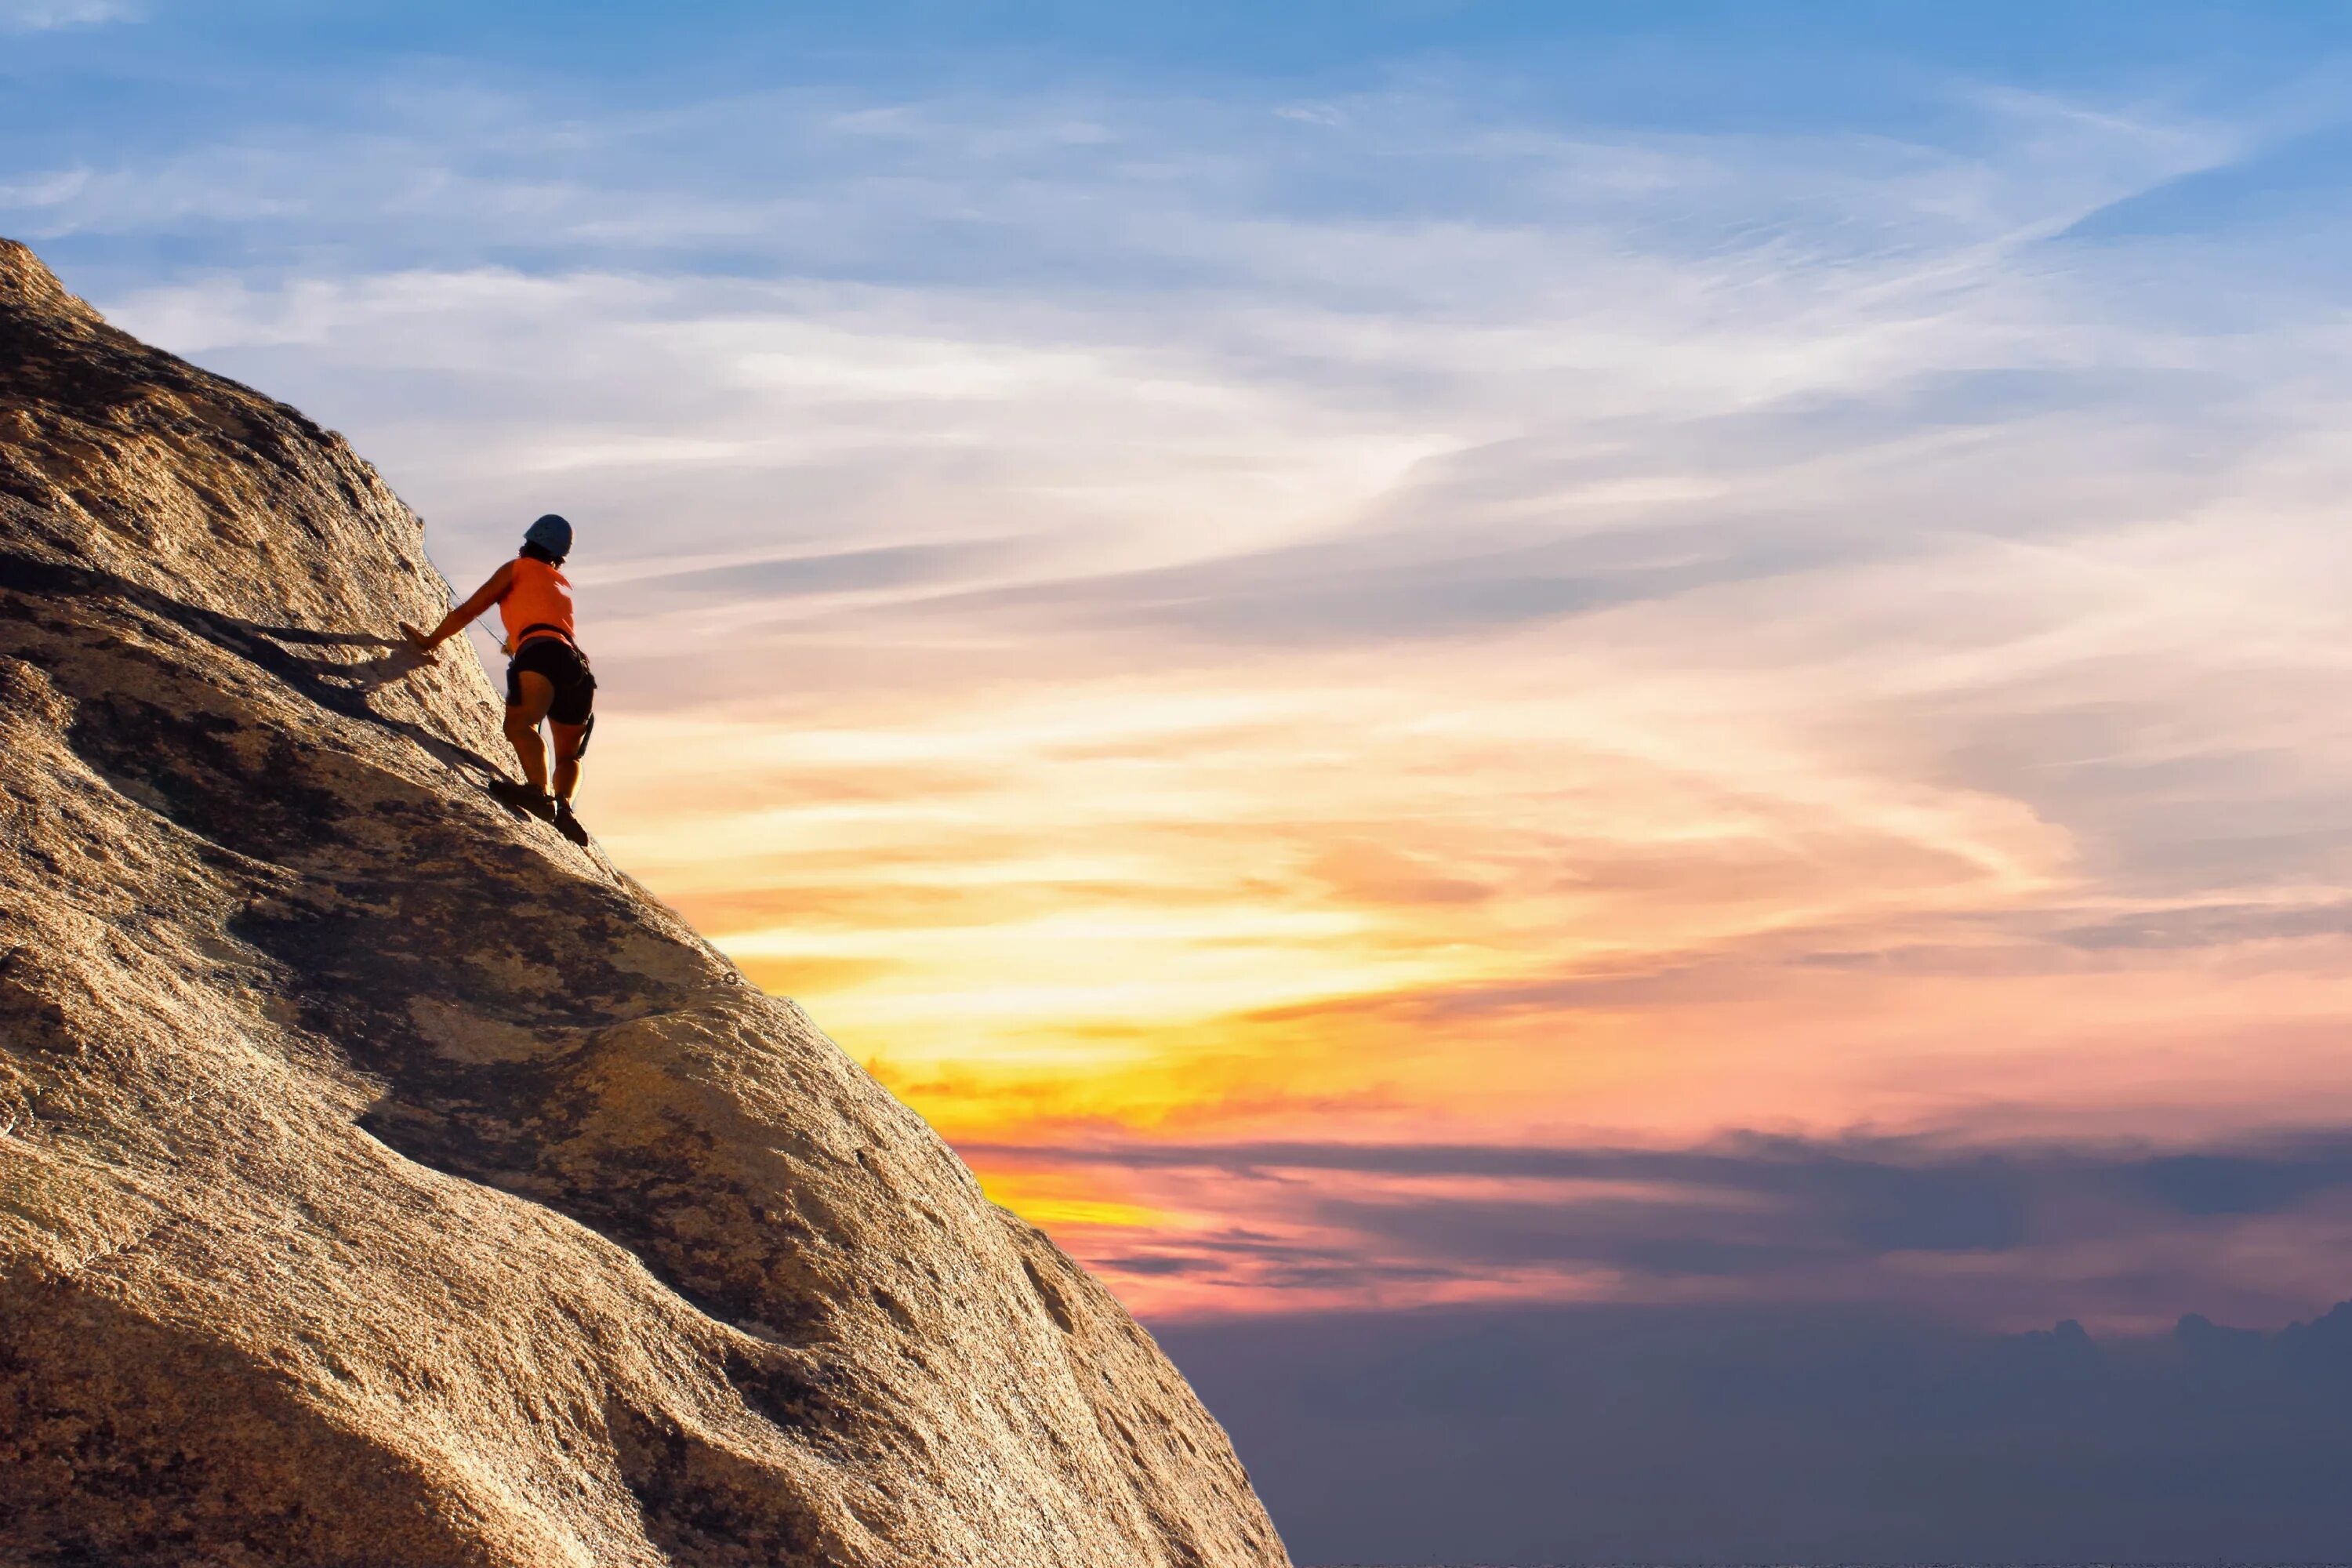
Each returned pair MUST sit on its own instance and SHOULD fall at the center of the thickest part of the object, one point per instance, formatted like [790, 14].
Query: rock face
[384, 1181]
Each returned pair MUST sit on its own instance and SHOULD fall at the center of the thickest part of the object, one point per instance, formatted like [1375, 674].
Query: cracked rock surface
[385, 1181]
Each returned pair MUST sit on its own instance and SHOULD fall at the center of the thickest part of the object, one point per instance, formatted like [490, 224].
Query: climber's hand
[419, 644]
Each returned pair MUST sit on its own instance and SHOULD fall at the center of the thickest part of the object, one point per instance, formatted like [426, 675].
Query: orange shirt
[539, 597]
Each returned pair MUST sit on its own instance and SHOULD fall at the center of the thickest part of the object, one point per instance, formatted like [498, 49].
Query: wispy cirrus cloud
[1400, 619]
[52, 15]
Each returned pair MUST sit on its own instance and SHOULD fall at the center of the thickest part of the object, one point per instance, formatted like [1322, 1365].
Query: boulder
[385, 1180]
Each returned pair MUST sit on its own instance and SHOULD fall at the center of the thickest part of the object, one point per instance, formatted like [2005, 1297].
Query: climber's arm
[488, 594]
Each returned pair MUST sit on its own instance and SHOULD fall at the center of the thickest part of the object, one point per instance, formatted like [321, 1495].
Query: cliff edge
[385, 1180]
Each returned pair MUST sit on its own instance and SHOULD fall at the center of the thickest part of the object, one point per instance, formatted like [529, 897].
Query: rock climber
[548, 678]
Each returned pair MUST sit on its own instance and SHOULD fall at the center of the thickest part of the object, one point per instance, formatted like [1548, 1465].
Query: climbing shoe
[568, 825]
[521, 797]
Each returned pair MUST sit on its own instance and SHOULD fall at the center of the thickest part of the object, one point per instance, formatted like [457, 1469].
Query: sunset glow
[1392, 688]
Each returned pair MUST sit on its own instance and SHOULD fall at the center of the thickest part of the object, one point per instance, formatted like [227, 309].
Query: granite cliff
[385, 1180]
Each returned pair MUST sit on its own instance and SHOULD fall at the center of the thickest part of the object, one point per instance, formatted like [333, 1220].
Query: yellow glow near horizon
[1578, 882]
[1229, 900]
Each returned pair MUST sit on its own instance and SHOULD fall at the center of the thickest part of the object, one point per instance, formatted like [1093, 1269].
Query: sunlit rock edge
[384, 1181]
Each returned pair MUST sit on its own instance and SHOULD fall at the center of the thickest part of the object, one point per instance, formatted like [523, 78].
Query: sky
[1402, 659]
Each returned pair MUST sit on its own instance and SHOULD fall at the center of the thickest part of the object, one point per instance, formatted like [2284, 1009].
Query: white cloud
[51, 15]
[1806, 485]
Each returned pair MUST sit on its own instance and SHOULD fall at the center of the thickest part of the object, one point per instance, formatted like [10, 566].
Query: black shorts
[566, 669]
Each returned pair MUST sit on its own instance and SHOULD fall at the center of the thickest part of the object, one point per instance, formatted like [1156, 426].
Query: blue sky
[93, 82]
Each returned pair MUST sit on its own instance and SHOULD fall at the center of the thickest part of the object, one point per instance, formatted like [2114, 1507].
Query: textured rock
[383, 1180]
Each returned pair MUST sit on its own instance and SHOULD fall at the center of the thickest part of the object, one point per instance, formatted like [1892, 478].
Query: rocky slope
[383, 1180]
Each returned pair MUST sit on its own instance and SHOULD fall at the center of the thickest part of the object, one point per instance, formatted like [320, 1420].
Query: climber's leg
[529, 696]
[569, 739]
